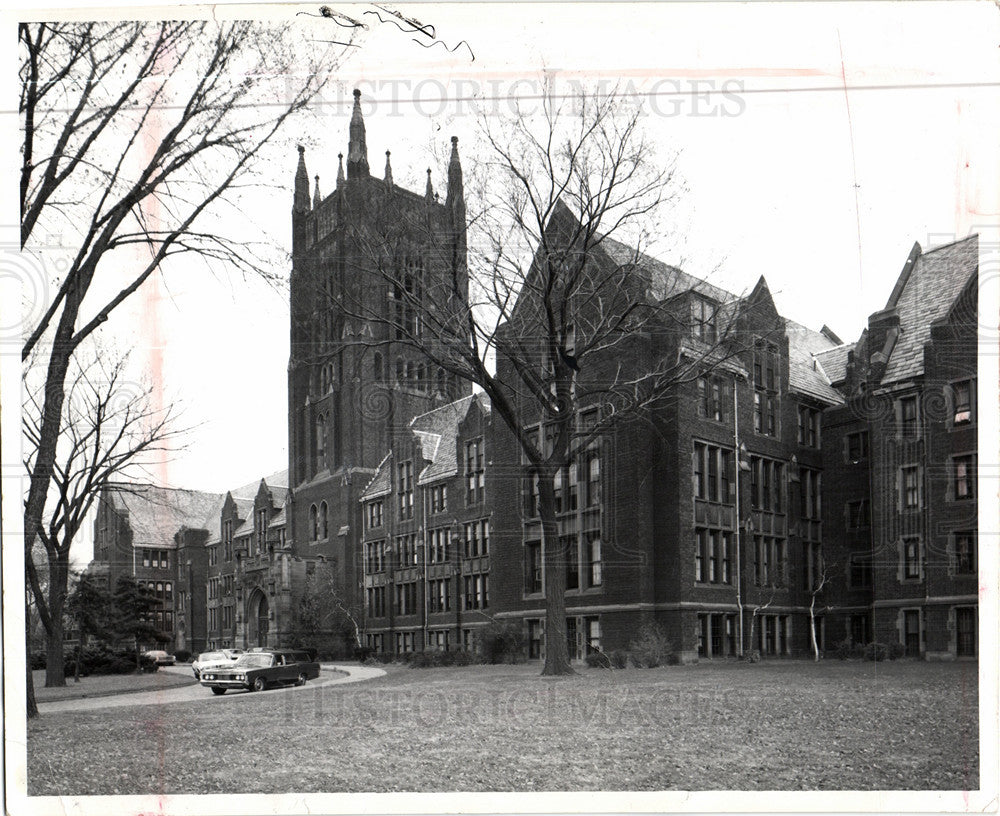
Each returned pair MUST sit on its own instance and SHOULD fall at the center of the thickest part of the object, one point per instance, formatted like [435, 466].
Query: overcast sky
[820, 189]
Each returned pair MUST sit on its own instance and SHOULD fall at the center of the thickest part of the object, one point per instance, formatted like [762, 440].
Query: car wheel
[302, 679]
[259, 684]
[216, 690]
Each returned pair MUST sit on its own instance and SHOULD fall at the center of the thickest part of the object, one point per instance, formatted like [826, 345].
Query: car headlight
[209, 676]
[241, 677]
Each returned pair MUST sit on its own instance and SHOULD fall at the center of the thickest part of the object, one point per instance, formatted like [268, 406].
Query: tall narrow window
[965, 477]
[908, 417]
[475, 472]
[404, 488]
[961, 395]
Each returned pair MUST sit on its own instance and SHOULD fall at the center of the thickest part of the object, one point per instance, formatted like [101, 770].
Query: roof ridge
[974, 235]
[440, 408]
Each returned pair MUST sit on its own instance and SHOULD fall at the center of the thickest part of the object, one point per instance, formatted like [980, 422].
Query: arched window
[400, 370]
[439, 381]
[314, 522]
[378, 366]
[421, 376]
[320, 442]
[411, 372]
[322, 520]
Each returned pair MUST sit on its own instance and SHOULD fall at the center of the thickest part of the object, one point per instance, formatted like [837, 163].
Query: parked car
[255, 671]
[220, 658]
[160, 658]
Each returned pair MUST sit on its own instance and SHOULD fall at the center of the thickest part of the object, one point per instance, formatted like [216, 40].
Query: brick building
[426, 541]
[157, 536]
[800, 477]
[901, 511]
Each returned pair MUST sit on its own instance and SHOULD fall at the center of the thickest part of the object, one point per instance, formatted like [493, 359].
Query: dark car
[255, 671]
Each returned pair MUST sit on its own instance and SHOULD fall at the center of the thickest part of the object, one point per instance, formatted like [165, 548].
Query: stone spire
[357, 149]
[456, 193]
[301, 204]
[317, 198]
[388, 170]
[340, 169]
[429, 191]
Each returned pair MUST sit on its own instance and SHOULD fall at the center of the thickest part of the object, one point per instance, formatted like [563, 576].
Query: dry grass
[101, 685]
[777, 725]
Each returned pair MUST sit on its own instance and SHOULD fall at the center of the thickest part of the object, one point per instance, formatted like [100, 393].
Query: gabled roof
[249, 491]
[155, 514]
[834, 361]
[438, 434]
[805, 375]
[924, 293]
[381, 482]
[665, 281]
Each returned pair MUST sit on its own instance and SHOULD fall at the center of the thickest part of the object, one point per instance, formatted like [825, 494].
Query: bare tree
[134, 137]
[821, 579]
[110, 431]
[322, 614]
[587, 332]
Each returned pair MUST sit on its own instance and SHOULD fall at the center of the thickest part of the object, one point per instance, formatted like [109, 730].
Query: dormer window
[703, 319]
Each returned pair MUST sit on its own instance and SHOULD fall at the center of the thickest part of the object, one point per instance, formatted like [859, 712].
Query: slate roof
[155, 514]
[381, 483]
[279, 520]
[279, 479]
[666, 281]
[934, 283]
[438, 434]
[834, 361]
[805, 375]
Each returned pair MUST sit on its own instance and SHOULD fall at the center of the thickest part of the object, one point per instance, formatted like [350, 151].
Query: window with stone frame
[911, 556]
[766, 381]
[963, 477]
[475, 472]
[962, 404]
[404, 489]
[533, 581]
[965, 553]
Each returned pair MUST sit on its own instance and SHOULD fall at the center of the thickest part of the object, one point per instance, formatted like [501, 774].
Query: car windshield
[206, 656]
[254, 661]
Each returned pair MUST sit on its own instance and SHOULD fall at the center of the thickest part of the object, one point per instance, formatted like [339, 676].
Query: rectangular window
[533, 567]
[712, 561]
[374, 515]
[713, 398]
[475, 472]
[961, 398]
[809, 427]
[703, 319]
[964, 468]
[858, 516]
[911, 487]
[965, 554]
[404, 487]
[856, 446]
[594, 574]
[437, 546]
[536, 639]
[439, 498]
[911, 558]
[766, 378]
[810, 494]
[477, 538]
[712, 472]
[908, 418]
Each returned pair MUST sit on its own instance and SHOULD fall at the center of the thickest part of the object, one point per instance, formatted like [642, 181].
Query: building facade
[800, 489]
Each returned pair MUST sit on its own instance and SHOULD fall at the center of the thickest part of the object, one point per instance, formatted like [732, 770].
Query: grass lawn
[105, 684]
[772, 725]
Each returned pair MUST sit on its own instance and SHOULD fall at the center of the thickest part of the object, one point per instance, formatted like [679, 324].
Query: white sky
[780, 178]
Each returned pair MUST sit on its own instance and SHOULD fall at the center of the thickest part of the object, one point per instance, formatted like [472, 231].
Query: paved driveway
[331, 674]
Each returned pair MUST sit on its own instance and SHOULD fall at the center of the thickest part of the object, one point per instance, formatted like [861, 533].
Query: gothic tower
[353, 386]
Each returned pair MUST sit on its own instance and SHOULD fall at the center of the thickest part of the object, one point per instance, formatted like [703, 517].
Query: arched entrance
[257, 610]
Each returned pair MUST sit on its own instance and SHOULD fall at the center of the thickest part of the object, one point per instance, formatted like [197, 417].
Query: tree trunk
[30, 705]
[55, 659]
[812, 628]
[554, 560]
